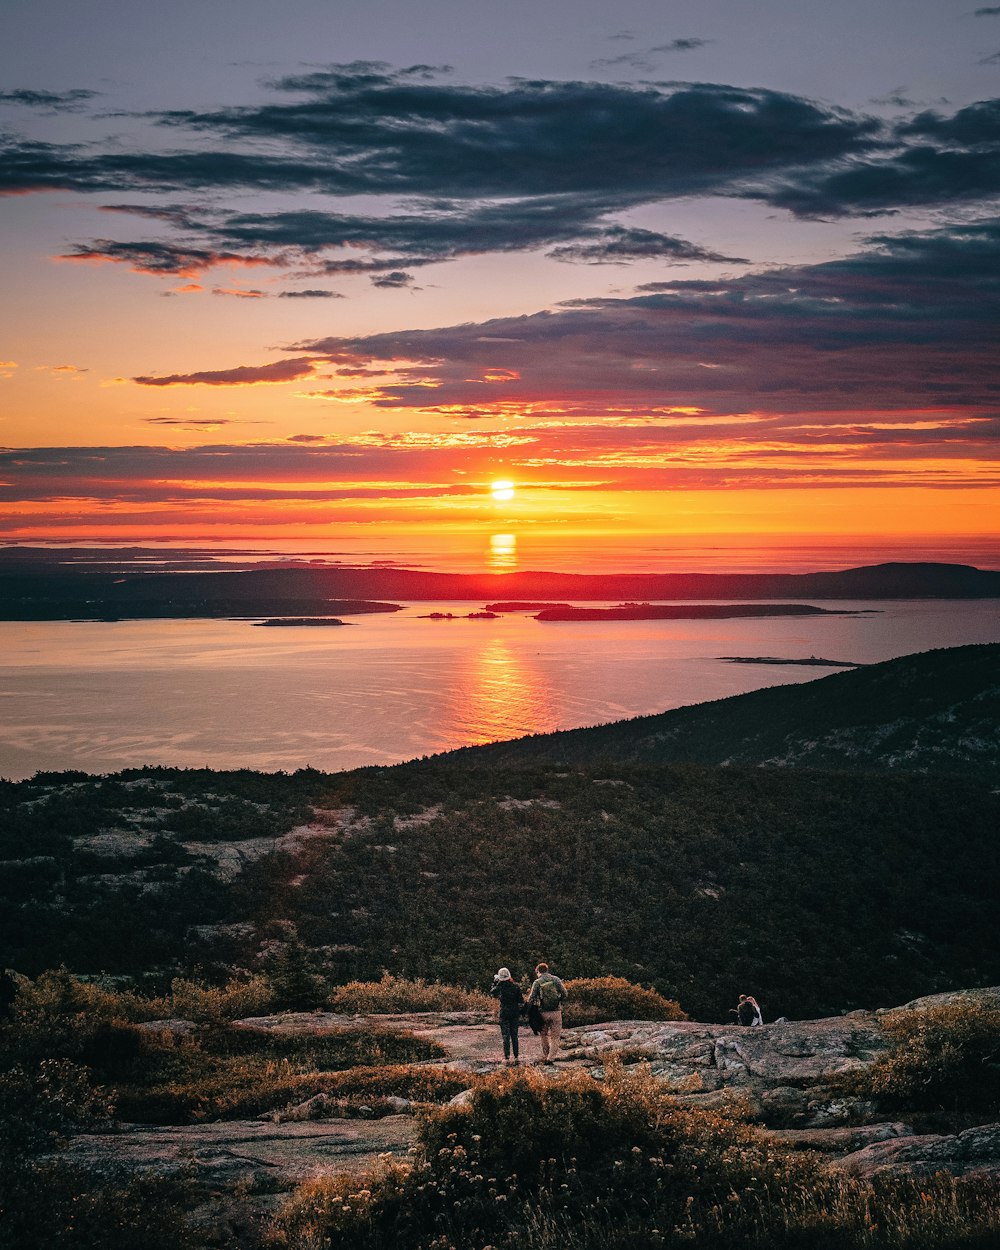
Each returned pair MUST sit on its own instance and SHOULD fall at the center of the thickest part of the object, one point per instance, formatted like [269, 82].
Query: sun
[502, 490]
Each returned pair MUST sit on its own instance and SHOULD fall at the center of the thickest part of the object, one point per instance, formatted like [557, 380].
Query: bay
[101, 696]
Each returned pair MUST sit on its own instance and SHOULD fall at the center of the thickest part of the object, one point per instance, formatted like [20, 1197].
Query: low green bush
[41, 1103]
[57, 1012]
[62, 1014]
[44, 1201]
[55, 1205]
[593, 1000]
[945, 1060]
[394, 995]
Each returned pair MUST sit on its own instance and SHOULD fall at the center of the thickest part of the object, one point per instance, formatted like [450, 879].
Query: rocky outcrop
[785, 1075]
[974, 1153]
[256, 1156]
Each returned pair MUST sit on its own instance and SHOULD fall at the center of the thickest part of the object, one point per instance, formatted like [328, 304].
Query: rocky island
[811, 662]
[282, 621]
[686, 611]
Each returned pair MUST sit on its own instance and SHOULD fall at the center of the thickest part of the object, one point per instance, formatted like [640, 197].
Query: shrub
[57, 1013]
[40, 1105]
[46, 1202]
[534, 1164]
[596, 999]
[946, 1059]
[85, 1210]
[294, 982]
[397, 994]
[571, 1149]
[239, 997]
[398, 1080]
[223, 1072]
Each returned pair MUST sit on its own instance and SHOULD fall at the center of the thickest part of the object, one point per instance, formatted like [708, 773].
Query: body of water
[223, 694]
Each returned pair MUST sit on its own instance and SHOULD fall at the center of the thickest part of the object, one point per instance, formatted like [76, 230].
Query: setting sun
[502, 491]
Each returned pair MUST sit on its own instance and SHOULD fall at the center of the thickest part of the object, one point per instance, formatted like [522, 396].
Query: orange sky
[333, 303]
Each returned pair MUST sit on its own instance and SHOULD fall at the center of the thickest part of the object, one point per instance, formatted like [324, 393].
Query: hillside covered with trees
[934, 712]
[817, 890]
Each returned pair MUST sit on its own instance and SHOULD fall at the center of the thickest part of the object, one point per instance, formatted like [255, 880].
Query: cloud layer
[909, 322]
[452, 169]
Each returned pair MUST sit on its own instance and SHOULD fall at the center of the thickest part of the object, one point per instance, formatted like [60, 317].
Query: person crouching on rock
[507, 990]
[548, 994]
[747, 1011]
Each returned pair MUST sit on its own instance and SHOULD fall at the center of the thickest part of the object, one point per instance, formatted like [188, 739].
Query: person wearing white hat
[508, 992]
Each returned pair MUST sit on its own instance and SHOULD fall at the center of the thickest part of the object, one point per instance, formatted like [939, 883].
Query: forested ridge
[934, 712]
[821, 891]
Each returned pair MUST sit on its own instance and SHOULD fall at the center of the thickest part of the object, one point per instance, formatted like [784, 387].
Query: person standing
[507, 990]
[548, 994]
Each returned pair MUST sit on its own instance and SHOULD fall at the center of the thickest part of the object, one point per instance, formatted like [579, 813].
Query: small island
[684, 611]
[455, 616]
[281, 621]
[519, 605]
[812, 661]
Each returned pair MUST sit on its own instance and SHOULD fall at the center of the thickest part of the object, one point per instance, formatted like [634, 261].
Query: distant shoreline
[812, 662]
[47, 586]
[693, 611]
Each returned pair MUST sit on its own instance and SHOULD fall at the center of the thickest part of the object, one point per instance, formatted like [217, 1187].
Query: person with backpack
[507, 990]
[548, 994]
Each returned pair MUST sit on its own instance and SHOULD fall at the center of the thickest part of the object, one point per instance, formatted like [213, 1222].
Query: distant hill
[937, 711]
[43, 586]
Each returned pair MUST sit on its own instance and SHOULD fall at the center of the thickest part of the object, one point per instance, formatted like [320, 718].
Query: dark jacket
[745, 1013]
[510, 996]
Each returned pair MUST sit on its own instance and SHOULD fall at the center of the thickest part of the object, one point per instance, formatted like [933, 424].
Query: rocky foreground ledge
[784, 1075]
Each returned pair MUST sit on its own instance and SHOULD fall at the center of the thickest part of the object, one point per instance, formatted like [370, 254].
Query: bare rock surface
[974, 1153]
[260, 1157]
[838, 1141]
[785, 1073]
[470, 1039]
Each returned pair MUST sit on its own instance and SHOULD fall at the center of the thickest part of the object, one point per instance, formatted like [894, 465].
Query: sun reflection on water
[503, 552]
[501, 694]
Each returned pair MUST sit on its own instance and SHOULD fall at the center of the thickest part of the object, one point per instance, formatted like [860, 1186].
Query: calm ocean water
[224, 694]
